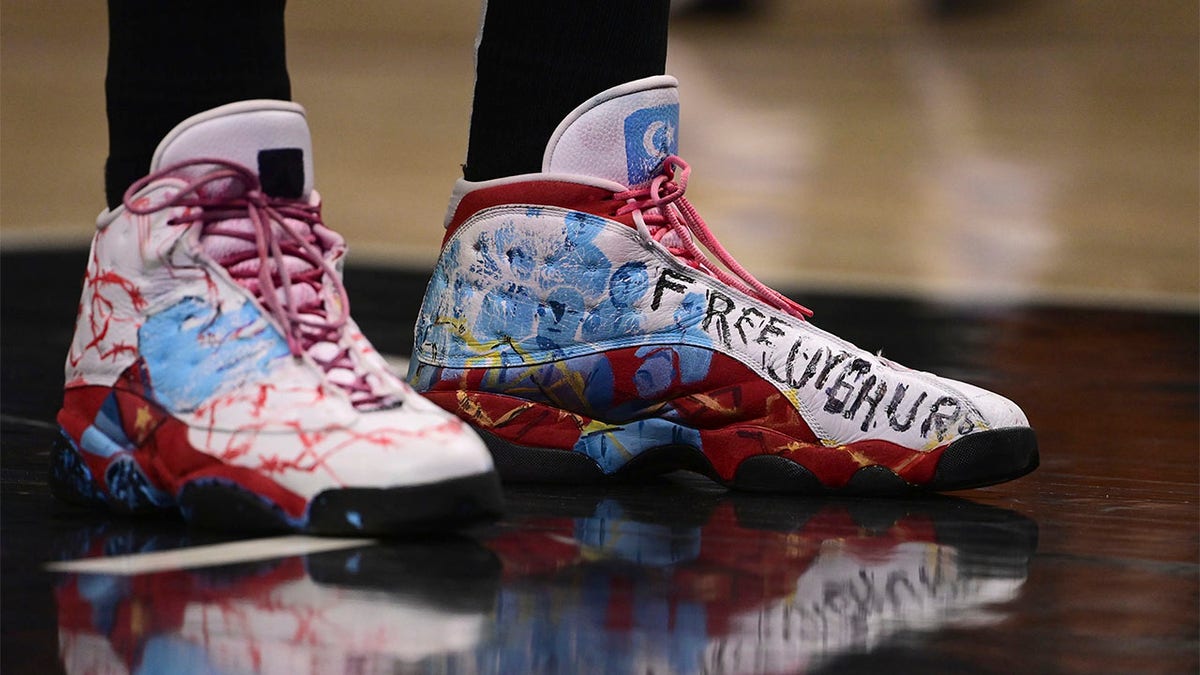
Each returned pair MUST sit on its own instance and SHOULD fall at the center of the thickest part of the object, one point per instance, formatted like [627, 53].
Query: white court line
[205, 556]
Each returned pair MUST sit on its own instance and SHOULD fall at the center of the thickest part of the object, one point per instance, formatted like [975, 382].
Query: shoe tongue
[621, 135]
[270, 138]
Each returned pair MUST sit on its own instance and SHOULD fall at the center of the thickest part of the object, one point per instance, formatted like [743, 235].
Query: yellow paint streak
[905, 464]
[596, 426]
[618, 445]
[713, 404]
[858, 457]
[474, 410]
[572, 378]
[795, 446]
[512, 414]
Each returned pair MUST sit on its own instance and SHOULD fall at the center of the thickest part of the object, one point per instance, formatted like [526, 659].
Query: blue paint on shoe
[129, 489]
[192, 350]
[613, 448]
[650, 135]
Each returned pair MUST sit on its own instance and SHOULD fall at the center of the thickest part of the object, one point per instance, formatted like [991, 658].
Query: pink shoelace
[660, 209]
[272, 247]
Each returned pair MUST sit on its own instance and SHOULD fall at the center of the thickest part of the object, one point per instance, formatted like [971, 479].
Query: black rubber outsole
[223, 505]
[432, 507]
[976, 460]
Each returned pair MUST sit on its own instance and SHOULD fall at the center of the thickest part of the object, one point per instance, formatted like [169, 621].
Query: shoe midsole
[612, 445]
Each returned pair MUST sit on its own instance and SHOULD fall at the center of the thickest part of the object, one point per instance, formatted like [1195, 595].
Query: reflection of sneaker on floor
[745, 583]
[874, 572]
[372, 609]
[574, 320]
[215, 366]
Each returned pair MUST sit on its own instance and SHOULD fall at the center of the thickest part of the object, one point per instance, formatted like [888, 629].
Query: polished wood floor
[1009, 197]
[1039, 149]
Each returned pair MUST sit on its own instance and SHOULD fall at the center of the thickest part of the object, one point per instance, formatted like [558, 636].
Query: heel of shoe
[70, 479]
[125, 487]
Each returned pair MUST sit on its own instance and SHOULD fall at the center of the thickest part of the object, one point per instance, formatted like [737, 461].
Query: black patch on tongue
[281, 171]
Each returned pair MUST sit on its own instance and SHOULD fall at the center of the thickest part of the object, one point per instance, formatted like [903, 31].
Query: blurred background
[993, 150]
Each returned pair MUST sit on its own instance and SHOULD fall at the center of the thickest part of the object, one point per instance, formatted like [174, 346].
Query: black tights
[537, 60]
[168, 61]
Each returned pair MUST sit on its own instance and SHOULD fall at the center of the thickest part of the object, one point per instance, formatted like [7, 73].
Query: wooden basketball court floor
[1007, 195]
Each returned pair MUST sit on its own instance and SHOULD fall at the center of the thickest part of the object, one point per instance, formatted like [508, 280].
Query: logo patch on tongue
[281, 172]
[650, 135]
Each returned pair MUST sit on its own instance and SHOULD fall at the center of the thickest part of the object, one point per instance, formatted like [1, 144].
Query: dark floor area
[1089, 565]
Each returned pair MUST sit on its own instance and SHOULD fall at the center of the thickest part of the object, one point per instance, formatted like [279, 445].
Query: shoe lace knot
[662, 214]
[277, 248]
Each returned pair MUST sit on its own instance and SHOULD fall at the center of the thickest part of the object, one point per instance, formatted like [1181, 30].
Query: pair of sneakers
[574, 330]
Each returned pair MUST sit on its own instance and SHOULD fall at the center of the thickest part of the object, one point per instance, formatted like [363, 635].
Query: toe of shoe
[1004, 449]
[417, 447]
[997, 411]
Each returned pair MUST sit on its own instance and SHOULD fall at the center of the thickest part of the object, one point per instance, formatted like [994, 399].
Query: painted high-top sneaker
[575, 322]
[215, 367]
